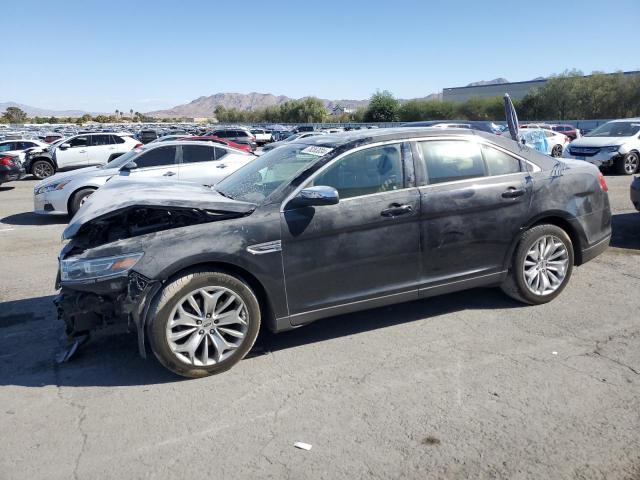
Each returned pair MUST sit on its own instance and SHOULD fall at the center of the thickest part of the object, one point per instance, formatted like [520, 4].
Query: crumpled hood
[118, 195]
[599, 141]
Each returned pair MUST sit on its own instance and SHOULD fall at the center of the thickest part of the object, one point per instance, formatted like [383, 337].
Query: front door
[158, 162]
[474, 197]
[363, 250]
[75, 156]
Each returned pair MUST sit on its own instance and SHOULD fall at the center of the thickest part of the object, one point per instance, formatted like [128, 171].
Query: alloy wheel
[545, 265]
[631, 163]
[556, 151]
[42, 170]
[207, 325]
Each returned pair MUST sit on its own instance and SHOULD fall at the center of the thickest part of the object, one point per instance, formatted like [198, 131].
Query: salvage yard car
[614, 144]
[200, 162]
[326, 225]
[79, 151]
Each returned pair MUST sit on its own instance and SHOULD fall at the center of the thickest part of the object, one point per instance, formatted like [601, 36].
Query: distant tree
[131, 112]
[14, 115]
[383, 107]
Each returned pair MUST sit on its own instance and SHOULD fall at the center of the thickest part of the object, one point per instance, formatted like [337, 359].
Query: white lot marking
[6, 229]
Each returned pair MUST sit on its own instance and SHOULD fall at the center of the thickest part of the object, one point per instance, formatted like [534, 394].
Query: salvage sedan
[327, 225]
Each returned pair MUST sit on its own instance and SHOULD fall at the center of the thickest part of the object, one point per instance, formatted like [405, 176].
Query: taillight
[603, 183]
[138, 145]
[6, 161]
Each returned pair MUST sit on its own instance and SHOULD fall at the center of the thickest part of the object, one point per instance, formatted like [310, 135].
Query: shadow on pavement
[4, 189]
[626, 230]
[31, 336]
[30, 218]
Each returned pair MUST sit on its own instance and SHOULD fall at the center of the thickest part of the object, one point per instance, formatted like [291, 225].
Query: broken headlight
[72, 269]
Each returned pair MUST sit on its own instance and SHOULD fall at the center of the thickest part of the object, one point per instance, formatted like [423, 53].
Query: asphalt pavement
[467, 385]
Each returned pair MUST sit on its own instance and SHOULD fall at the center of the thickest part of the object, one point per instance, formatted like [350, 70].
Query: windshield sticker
[319, 151]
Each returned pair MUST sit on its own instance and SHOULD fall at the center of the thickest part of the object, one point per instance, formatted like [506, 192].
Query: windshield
[615, 129]
[260, 178]
[122, 159]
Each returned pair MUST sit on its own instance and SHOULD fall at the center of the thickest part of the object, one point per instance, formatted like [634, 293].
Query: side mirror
[64, 146]
[129, 166]
[314, 197]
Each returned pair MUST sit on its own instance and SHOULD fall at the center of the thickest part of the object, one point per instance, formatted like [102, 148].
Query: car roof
[363, 137]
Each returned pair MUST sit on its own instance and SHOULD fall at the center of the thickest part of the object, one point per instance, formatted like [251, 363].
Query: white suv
[90, 149]
[614, 144]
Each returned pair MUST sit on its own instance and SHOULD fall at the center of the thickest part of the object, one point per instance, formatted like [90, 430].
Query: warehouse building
[516, 90]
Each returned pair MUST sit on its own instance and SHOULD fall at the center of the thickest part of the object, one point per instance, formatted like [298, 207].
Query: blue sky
[99, 56]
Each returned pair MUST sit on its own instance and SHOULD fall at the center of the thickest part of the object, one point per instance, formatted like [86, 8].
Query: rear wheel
[78, 200]
[628, 165]
[556, 151]
[541, 266]
[42, 169]
[203, 323]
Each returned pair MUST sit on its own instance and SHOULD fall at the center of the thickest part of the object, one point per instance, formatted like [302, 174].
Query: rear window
[117, 139]
[240, 133]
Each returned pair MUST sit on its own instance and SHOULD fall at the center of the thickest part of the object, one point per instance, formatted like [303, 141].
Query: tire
[556, 151]
[42, 169]
[629, 164]
[175, 353]
[516, 285]
[78, 199]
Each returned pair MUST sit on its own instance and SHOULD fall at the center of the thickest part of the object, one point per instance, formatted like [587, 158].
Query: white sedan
[201, 162]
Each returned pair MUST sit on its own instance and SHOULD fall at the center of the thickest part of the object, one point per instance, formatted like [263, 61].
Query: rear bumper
[12, 174]
[596, 249]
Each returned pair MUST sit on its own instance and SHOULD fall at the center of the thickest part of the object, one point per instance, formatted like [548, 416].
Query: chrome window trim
[466, 137]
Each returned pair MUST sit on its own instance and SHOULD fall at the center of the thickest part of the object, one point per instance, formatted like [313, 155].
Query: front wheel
[203, 323]
[628, 165]
[78, 199]
[541, 266]
[42, 169]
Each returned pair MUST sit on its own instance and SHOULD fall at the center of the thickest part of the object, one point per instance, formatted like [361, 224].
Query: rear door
[202, 164]
[365, 248]
[100, 149]
[474, 199]
[160, 162]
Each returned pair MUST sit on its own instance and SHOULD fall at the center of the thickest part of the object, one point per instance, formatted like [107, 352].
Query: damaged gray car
[324, 226]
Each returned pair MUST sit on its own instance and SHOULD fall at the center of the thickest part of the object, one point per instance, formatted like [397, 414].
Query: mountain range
[41, 112]
[205, 106]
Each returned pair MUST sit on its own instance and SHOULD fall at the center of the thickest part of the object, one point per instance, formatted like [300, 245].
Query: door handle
[513, 192]
[396, 209]
[82, 151]
[221, 166]
[169, 174]
[463, 194]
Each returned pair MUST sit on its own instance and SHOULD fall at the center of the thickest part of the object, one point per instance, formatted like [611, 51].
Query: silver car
[200, 162]
[614, 144]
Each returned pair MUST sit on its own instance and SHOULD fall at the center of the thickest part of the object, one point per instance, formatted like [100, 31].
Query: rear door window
[100, 140]
[451, 160]
[158, 157]
[115, 139]
[498, 162]
[198, 153]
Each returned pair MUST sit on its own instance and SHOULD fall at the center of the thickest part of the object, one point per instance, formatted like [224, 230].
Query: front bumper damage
[123, 301]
